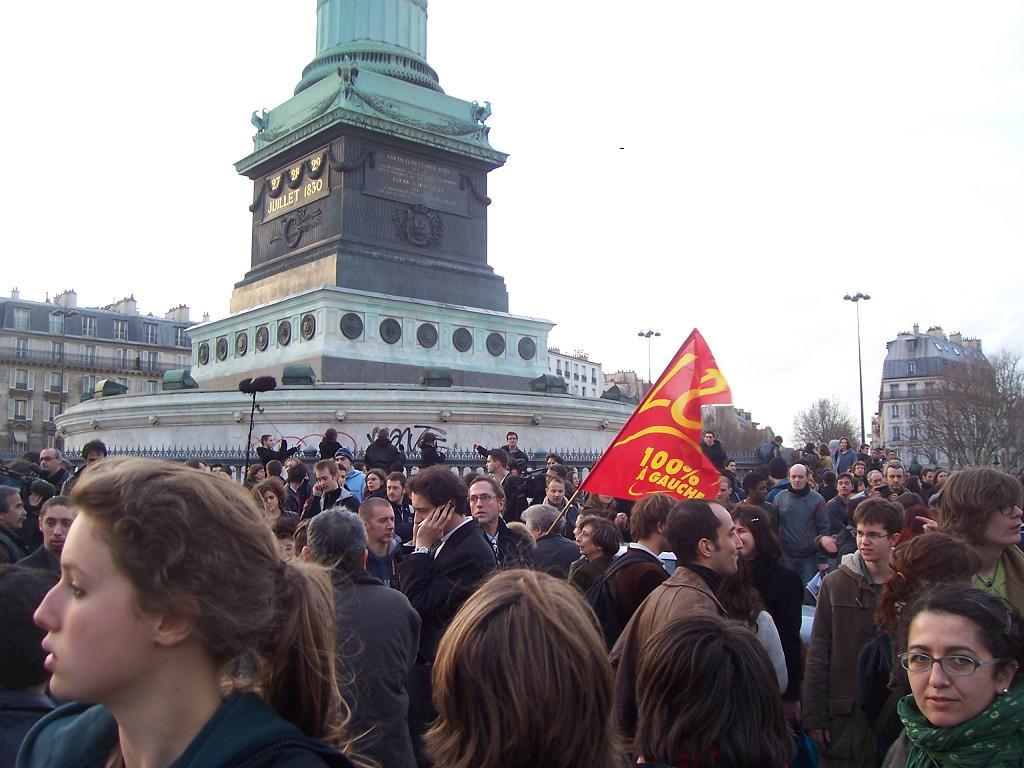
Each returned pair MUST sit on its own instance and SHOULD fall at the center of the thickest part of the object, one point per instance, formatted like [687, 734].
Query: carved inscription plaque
[414, 180]
[294, 186]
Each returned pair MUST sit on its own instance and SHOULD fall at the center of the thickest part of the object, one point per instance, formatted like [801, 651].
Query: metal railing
[86, 362]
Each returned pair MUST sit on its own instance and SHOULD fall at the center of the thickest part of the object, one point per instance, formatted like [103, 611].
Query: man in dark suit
[554, 553]
[450, 557]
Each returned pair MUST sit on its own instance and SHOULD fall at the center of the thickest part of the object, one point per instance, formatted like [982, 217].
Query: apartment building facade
[52, 354]
[915, 363]
[583, 377]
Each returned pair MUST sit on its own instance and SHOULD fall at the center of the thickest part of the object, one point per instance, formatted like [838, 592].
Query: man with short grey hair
[803, 525]
[52, 462]
[554, 553]
[378, 635]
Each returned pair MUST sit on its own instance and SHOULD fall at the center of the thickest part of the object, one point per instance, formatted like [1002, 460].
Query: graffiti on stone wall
[407, 439]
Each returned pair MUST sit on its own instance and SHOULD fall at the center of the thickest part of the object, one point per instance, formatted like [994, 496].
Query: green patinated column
[384, 36]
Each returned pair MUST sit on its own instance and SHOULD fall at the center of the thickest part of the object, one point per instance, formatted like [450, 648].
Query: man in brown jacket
[703, 538]
[843, 623]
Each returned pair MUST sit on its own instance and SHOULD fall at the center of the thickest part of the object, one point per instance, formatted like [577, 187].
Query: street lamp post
[64, 315]
[856, 299]
[647, 335]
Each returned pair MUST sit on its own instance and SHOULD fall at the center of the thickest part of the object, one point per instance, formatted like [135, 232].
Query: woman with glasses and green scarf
[982, 506]
[964, 648]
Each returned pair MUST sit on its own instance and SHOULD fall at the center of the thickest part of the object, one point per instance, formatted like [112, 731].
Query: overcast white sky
[775, 156]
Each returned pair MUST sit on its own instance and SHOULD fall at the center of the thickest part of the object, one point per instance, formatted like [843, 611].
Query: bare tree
[975, 415]
[823, 420]
[737, 439]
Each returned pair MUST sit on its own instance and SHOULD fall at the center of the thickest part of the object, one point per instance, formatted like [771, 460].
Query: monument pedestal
[350, 336]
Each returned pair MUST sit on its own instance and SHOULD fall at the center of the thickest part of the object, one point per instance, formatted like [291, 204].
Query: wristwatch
[421, 551]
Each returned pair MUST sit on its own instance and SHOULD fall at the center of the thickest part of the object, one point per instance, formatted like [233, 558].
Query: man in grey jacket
[803, 525]
[378, 634]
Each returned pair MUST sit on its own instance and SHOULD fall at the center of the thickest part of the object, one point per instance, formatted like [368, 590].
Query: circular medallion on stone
[351, 325]
[308, 326]
[527, 348]
[462, 339]
[241, 344]
[222, 348]
[390, 331]
[496, 344]
[284, 333]
[426, 335]
[262, 338]
[204, 353]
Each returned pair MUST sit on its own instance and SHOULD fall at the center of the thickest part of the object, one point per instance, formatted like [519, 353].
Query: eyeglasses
[871, 535]
[1009, 511]
[484, 497]
[958, 666]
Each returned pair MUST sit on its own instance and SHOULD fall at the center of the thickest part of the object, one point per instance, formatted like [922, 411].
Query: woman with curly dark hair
[917, 565]
[781, 591]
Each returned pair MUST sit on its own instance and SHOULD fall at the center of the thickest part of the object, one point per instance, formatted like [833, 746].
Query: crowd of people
[351, 613]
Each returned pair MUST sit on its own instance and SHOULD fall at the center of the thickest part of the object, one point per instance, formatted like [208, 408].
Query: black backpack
[601, 600]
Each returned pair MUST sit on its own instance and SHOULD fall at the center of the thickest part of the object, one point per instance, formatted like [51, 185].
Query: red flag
[658, 451]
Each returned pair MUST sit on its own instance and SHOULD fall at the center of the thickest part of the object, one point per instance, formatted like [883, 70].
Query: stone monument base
[203, 421]
[349, 336]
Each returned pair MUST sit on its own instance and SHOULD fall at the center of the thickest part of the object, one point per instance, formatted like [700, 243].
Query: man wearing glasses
[51, 461]
[843, 623]
[486, 503]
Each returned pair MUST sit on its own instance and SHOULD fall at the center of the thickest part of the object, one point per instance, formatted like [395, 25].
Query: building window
[23, 349]
[895, 431]
[151, 360]
[912, 433]
[150, 329]
[121, 358]
[912, 389]
[912, 410]
[929, 385]
[52, 410]
[894, 411]
[123, 381]
[180, 337]
[22, 379]
[21, 318]
[19, 441]
[912, 369]
[88, 385]
[88, 326]
[89, 354]
[121, 330]
[894, 390]
[151, 386]
[19, 409]
[57, 350]
[56, 323]
[53, 383]
[180, 361]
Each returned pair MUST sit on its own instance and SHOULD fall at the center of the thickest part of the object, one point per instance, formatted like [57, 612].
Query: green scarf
[993, 739]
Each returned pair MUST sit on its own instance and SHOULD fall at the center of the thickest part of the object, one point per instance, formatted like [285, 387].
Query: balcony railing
[86, 362]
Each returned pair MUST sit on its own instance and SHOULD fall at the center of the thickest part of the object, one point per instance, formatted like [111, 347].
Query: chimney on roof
[66, 299]
[126, 306]
[178, 314]
[956, 338]
[206, 317]
[936, 332]
[917, 329]
[15, 293]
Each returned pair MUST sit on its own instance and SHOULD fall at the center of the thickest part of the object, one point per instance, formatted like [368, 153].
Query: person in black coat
[267, 453]
[781, 590]
[381, 454]
[714, 451]
[329, 445]
[449, 558]
[554, 553]
[429, 454]
[22, 676]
